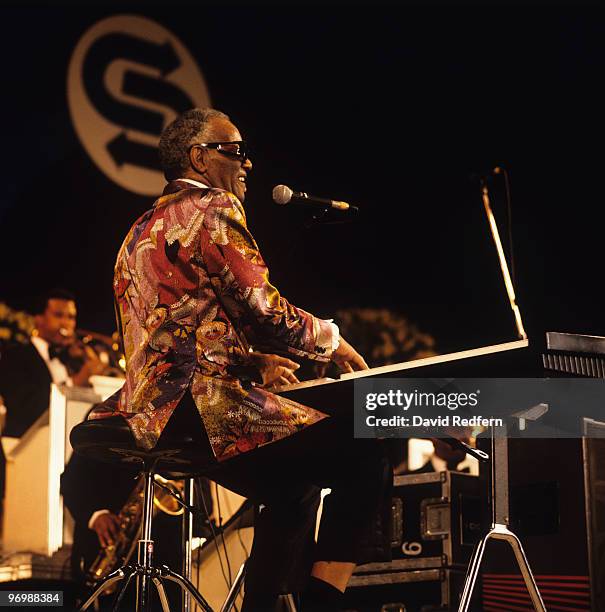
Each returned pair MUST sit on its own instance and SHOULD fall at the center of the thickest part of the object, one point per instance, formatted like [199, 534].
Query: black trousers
[284, 479]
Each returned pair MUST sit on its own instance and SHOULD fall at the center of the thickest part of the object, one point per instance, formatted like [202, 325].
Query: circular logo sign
[128, 78]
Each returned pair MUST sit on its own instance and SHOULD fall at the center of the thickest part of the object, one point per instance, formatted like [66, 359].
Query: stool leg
[145, 550]
[235, 589]
[162, 593]
[118, 600]
[107, 581]
[187, 585]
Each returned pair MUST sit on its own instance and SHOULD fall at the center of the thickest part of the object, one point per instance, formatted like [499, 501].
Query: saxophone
[119, 552]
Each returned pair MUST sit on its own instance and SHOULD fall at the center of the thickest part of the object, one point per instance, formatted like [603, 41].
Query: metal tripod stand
[146, 573]
[500, 517]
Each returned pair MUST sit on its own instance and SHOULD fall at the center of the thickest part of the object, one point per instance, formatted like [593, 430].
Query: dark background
[392, 108]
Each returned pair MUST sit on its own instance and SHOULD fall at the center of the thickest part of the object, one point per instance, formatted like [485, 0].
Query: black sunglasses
[237, 149]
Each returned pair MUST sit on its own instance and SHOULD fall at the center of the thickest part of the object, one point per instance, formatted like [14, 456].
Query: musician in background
[52, 356]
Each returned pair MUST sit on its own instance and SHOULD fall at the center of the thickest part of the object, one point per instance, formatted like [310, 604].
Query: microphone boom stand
[499, 457]
[508, 283]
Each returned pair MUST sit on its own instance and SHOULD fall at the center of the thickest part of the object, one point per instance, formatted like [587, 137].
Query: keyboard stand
[500, 517]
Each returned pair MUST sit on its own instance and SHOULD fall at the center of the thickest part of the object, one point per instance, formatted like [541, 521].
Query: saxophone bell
[164, 500]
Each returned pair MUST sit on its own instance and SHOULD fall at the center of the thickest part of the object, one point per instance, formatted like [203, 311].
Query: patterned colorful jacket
[192, 294]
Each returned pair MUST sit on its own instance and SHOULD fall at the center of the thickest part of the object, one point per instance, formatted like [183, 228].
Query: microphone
[284, 195]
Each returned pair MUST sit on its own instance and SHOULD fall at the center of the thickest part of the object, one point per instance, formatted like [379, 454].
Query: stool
[176, 456]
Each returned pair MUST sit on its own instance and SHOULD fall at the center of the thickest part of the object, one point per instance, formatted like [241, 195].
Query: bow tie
[55, 350]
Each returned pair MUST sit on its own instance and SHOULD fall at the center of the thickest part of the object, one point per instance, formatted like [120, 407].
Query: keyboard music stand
[500, 515]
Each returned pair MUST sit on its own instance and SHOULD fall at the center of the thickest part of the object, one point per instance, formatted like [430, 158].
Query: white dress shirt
[58, 371]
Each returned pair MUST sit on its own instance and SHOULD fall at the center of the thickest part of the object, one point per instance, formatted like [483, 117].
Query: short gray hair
[178, 136]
